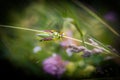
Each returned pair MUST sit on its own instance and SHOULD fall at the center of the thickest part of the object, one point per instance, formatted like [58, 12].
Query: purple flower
[110, 16]
[97, 50]
[69, 52]
[54, 65]
[74, 49]
[87, 53]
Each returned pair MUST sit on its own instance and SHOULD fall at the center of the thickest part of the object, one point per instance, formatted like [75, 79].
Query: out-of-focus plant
[69, 29]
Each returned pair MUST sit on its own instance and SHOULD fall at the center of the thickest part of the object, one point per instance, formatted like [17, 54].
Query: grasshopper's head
[62, 34]
[57, 35]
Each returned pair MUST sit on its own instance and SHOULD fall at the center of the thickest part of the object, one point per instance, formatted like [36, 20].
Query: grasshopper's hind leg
[46, 39]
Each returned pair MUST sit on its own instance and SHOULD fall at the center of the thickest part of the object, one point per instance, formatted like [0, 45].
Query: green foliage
[59, 16]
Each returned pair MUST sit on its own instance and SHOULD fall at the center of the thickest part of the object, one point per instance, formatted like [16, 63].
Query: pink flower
[54, 65]
[66, 41]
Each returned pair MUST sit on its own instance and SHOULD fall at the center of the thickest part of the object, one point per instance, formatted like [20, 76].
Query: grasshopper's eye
[62, 34]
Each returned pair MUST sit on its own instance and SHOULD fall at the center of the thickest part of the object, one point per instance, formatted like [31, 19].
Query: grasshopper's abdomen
[45, 34]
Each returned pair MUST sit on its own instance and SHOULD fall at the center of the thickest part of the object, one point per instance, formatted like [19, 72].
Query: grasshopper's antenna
[28, 29]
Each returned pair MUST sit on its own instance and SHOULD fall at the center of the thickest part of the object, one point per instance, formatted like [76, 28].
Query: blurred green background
[17, 54]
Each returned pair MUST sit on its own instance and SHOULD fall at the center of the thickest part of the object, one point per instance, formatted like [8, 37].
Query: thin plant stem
[81, 34]
[28, 29]
[37, 31]
[79, 4]
[86, 43]
[91, 45]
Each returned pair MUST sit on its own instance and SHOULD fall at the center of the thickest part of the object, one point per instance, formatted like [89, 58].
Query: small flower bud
[93, 42]
[81, 48]
[97, 50]
[87, 53]
[69, 52]
[37, 49]
[74, 49]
